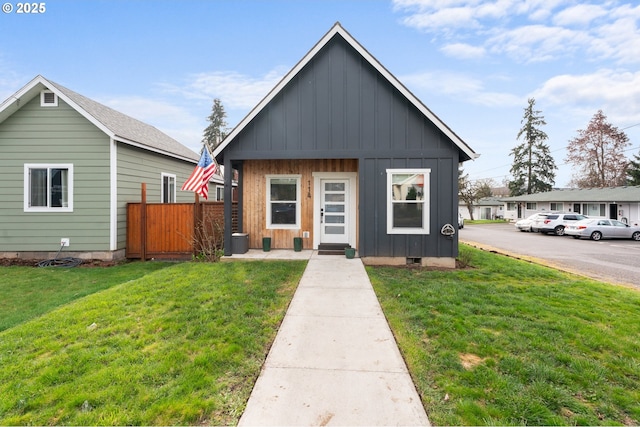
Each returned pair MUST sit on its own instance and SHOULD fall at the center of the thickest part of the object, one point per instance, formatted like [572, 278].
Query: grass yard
[180, 345]
[512, 343]
[28, 292]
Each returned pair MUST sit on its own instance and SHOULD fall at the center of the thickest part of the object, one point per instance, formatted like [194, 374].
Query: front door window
[334, 216]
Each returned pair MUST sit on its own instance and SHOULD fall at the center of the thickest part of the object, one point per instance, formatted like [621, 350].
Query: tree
[217, 129]
[597, 154]
[533, 167]
[633, 171]
[470, 192]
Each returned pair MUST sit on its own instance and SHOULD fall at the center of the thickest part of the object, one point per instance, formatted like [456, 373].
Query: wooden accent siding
[254, 213]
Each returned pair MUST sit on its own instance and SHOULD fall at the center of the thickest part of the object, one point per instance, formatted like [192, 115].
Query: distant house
[69, 165]
[621, 203]
[485, 208]
[340, 152]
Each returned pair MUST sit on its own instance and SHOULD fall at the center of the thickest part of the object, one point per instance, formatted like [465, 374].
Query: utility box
[239, 243]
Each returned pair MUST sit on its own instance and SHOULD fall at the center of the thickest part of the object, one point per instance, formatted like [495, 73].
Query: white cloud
[617, 93]
[461, 86]
[463, 51]
[235, 90]
[582, 14]
[531, 30]
[537, 43]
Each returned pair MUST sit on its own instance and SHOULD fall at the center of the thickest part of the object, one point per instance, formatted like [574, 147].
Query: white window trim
[298, 223]
[27, 189]
[44, 104]
[219, 193]
[425, 200]
[169, 175]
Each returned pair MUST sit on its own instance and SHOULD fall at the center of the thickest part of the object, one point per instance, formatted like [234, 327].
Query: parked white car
[525, 224]
[598, 228]
[555, 222]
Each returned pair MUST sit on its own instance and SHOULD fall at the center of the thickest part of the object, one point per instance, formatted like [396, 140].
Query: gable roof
[116, 125]
[337, 29]
[605, 195]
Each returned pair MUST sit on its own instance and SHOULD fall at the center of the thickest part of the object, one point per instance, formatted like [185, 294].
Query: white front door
[334, 210]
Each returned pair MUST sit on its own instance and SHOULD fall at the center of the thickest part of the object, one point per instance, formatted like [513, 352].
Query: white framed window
[532, 206]
[48, 99]
[555, 206]
[168, 188]
[48, 187]
[283, 201]
[408, 201]
[219, 193]
[512, 206]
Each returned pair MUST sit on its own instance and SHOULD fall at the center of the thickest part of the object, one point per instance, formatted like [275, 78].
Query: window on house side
[532, 206]
[219, 193]
[48, 188]
[168, 188]
[557, 207]
[408, 201]
[283, 201]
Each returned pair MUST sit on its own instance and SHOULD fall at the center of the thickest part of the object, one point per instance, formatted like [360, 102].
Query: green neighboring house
[70, 165]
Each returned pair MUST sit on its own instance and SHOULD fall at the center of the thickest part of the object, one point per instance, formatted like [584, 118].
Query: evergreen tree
[633, 171]
[217, 129]
[597, 154]
[533, 167]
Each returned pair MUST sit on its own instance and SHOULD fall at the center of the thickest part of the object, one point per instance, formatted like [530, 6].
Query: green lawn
[508, 342]
[28, 292]
[180, 345]
[503, 342]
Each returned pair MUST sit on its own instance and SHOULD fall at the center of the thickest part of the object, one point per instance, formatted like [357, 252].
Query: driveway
[607, 260]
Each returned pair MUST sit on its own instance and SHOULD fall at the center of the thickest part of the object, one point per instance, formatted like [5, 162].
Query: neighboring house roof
[607, 194]
[116, 125]
[468, 153]
[489, 201]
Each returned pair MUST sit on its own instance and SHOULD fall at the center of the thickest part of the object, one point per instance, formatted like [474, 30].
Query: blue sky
[474, 63]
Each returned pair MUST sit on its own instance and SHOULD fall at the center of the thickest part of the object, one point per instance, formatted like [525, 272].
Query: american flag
[199, 179]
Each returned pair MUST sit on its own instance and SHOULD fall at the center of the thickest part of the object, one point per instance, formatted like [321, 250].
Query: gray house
[620, 203]
[69, 165]
[341, 153]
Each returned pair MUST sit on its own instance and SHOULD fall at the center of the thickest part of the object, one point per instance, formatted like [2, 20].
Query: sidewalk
[334, 360]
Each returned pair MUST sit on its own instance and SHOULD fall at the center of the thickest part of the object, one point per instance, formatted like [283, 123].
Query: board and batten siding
[254, 204]
[340, 107]
[36, 134]
[136, 166]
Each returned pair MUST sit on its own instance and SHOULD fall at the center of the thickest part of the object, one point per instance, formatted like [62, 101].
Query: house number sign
[448, 230]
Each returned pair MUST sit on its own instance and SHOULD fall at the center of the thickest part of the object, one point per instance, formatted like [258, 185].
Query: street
[607, 260]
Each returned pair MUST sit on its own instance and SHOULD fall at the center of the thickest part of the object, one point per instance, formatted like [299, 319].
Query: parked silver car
[555, 222]
[598, 228]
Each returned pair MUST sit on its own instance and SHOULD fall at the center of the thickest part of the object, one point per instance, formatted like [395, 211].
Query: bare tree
[470, 192]
[597, 154]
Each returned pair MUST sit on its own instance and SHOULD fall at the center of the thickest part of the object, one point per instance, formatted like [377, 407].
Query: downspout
[113, 195]
[228, 205]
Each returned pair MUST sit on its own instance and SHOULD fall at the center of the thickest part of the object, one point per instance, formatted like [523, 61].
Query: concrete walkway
[334, 360]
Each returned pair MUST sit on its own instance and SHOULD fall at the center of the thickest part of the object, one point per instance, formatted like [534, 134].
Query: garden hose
[67, 262]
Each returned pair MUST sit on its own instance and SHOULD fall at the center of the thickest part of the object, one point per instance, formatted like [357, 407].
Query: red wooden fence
[172, 230]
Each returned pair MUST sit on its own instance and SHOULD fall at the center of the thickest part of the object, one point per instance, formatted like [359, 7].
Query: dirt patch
[470, 361]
